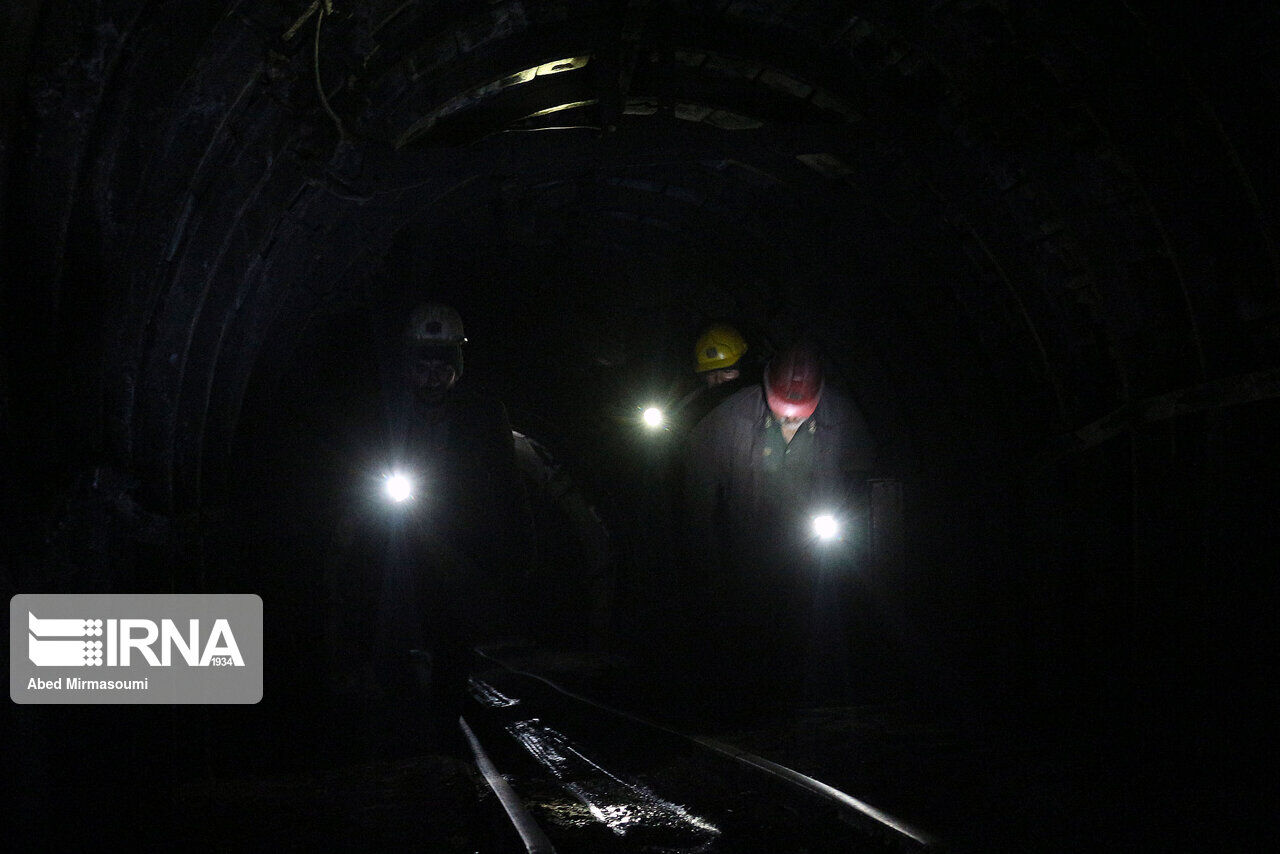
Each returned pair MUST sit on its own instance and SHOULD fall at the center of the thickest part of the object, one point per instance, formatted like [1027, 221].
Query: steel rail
[535, 841]
[896, 828]
[829, 792]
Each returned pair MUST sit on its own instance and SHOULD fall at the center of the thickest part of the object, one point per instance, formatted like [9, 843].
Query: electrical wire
[326, 8]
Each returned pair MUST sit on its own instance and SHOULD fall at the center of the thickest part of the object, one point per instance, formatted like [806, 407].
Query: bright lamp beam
[398, 487]
[825, 527]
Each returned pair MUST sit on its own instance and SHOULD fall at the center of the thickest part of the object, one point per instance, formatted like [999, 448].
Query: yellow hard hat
[720, 346]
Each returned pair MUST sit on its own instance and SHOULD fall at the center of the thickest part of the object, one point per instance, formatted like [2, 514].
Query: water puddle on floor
[625, 808]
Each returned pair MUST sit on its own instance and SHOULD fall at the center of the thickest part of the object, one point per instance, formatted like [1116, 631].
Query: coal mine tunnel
[1036, 244]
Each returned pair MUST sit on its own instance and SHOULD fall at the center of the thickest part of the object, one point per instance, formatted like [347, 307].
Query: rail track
[578, 777]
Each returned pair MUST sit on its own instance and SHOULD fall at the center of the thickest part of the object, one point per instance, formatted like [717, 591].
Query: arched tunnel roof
[1014, 226]
[1037, 242]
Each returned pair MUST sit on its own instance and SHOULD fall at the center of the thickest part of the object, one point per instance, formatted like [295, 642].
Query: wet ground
[978, 780]
[981, 780]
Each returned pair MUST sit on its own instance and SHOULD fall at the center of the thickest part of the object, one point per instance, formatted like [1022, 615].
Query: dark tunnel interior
[1036, 242]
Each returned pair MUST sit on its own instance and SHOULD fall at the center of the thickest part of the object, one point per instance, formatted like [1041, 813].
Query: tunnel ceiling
[1005, 223]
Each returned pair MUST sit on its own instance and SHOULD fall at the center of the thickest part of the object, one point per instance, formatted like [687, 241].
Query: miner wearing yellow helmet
[717, 353]
[718, 361]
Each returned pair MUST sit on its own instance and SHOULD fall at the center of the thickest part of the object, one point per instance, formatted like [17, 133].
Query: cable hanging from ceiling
[319, 8]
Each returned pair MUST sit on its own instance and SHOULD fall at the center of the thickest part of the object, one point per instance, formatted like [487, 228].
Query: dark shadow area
[1037, 247]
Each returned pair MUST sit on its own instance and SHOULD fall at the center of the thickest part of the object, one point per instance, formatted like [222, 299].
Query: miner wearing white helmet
[466, 528]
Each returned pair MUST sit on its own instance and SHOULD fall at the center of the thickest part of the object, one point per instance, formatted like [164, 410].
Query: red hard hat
[793, 383]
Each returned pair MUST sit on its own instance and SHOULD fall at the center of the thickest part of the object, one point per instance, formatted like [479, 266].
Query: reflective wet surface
[623, 806]
[597, 782]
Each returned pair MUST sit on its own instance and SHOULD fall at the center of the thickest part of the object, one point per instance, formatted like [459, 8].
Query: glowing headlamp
[397, 487]
[653, 417]
[826, 527]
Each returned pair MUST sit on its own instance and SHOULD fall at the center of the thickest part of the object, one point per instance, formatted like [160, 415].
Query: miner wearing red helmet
[761, 467]
[778, 447]
[793, 386]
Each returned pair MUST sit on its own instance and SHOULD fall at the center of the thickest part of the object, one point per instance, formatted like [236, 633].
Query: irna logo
[125, 642]
[135, 648]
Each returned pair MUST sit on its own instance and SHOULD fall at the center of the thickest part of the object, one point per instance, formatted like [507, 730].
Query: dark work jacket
[445, 562]
[472, 499]
[695, 405]
[747, 493]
